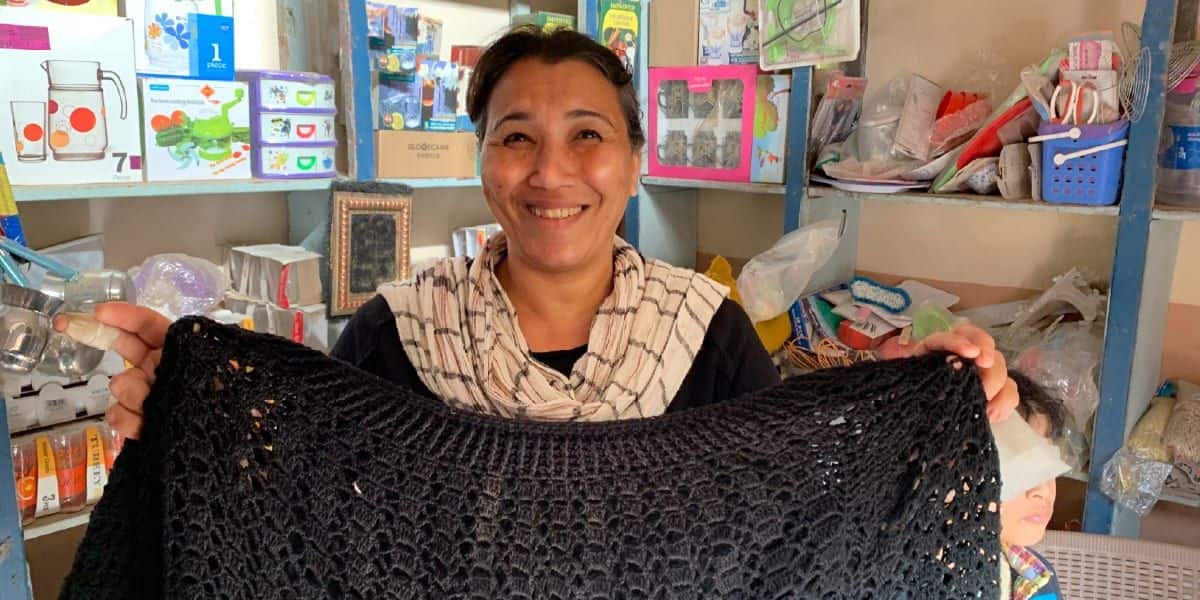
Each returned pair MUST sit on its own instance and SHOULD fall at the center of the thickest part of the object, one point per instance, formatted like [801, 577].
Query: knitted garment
[267, 470]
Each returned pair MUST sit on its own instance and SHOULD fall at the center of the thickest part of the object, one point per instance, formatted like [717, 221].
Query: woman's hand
[143, 332]
[973, 343]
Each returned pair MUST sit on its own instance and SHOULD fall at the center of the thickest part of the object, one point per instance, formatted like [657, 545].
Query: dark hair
[529, 41]
[1037, 400]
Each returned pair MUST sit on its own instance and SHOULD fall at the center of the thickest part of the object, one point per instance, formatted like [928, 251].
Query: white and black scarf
[460, 331]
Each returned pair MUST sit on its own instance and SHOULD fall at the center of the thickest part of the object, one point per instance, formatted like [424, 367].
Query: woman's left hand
[973, 343]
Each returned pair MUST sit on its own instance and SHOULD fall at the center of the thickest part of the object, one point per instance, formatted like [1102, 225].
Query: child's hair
[1037, 400]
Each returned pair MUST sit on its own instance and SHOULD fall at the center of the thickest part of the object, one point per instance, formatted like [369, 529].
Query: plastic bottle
[1179, 148]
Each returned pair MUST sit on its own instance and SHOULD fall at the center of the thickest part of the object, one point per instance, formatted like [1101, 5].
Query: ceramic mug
[731, 150]
[673, 98]
[702, 103]
[673, 149]
[730, 98]
[704, 149]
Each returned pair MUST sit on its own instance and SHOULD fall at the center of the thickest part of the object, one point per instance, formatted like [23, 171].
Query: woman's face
[557, 165]
[1023, 519]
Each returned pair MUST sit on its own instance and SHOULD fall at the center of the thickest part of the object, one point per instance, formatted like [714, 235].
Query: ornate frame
[345, 206]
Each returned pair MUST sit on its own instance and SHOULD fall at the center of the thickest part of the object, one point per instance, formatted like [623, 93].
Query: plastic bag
[177, 285]
[1182, 432]
[1066, 364]
[773, 280]
[1134, 481]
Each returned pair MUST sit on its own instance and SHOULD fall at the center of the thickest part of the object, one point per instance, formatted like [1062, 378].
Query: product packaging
[196, 130]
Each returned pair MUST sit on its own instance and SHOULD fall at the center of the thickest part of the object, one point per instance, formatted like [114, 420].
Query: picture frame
[368, 245]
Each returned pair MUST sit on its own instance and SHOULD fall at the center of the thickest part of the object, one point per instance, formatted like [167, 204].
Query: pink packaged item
[702, 122]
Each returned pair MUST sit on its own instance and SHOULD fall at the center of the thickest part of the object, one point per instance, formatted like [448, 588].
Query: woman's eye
[514, 138]
[589, 134]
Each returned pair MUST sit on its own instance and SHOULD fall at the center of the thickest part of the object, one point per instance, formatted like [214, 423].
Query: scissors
[1076, 98]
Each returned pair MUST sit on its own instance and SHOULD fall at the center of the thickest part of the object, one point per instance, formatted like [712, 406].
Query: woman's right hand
[143, 332]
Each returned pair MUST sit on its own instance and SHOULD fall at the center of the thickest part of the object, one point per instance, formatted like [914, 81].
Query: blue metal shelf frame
[1101, 515]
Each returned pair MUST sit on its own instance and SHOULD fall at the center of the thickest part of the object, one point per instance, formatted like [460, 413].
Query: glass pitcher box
[195, 129]
[68, 116]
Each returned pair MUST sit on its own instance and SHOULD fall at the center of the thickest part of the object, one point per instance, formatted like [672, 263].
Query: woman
[557, 319]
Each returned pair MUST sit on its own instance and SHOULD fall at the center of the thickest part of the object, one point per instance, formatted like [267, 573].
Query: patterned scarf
[1031, 574]
[460, 332]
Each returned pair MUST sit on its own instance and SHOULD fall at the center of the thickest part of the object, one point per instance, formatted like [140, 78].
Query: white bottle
[1179, 147]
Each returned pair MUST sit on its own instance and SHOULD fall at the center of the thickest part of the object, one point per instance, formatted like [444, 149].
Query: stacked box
[291, 124]
[279, 289]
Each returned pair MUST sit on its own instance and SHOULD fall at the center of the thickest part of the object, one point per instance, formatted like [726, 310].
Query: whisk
[1135, 69]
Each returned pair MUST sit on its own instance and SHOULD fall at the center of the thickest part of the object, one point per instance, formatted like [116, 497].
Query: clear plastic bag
[773, 280]
[177, 285]
[1134, 481]
[1065, 362]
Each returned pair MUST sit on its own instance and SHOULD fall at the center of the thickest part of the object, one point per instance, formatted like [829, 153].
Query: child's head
[1023, 519]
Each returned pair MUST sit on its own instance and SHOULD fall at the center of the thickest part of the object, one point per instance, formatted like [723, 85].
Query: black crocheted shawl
[267, 470]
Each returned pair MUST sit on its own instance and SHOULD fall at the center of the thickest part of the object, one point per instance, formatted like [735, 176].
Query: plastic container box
[1093, 179]
[288, 91]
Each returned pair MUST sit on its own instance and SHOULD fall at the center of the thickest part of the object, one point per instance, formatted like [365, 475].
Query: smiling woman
[558, 318]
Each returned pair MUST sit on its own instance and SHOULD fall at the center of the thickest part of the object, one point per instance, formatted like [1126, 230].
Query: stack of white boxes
[278, 288]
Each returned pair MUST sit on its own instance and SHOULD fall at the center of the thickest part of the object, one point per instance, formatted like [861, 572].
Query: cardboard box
[547, 21]
[284, 275]
[728, 32]
[69, 86]
[159, 24]
[426, 154]
[769, 159]
[439, 95]
[725, 123]
[308, 325]
[107, 8]
[211, 55]
[195, 129]
[674, 33]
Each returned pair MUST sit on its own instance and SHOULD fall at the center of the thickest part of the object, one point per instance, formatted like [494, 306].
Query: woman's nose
[1043, 490]
[554, 166]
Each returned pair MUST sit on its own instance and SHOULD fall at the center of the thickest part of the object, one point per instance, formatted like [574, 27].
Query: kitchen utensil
[25, 326]
[78, 126]
[91, 288]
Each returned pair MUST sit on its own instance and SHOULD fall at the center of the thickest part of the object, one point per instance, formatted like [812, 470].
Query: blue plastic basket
[1094, 179]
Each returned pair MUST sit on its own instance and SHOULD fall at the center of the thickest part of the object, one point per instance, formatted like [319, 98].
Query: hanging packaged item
[619, 28]
[195, 129]
[548, 22]
[67, 84]
[466, 57]
[728, 32]
[801, 33]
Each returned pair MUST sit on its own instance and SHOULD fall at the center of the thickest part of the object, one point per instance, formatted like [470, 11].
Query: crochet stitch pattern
[267, 470]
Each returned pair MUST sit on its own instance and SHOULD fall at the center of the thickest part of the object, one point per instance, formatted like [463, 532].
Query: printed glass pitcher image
[78, 123]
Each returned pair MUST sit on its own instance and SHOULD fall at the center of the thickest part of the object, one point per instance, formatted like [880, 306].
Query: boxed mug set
[724, 123]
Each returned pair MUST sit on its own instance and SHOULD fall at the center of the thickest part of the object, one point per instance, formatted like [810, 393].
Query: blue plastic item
[865, 290]
[1094, 179]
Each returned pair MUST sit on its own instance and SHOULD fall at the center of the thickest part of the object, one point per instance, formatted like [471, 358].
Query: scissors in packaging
[1076, 98]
